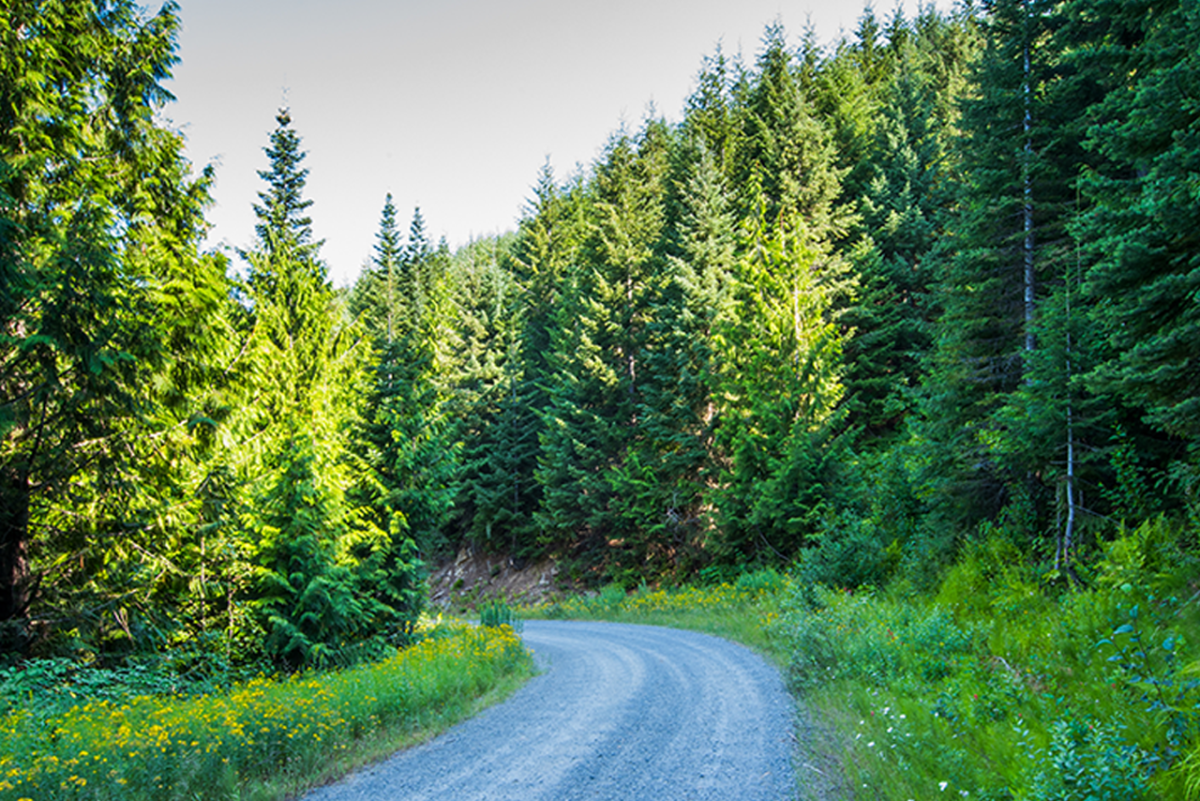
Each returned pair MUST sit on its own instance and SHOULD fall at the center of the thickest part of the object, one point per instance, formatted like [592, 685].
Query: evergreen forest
[867, 306]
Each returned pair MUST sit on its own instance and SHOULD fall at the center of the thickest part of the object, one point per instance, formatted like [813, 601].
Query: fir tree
[281, 211]
[1006, 248]
[594, 404]
[375, 296]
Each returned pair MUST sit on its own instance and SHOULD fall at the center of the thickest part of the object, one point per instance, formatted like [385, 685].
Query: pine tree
[305, 599]
[780, 359]
[784, 158]
[500, 448]
[779, 349]
[282, 221]
[546, 244]
[311, 368]
[87, 180]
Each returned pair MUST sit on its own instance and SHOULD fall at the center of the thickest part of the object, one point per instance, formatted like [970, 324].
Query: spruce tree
[779, 349]
[546, 245]
[283, 223]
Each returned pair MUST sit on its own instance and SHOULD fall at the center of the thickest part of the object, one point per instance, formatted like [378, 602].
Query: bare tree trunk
[1027, 210]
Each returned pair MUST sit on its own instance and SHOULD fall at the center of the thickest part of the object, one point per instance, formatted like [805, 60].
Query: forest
[867, 306]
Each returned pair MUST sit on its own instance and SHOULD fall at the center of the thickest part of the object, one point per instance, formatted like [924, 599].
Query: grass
[264, 739]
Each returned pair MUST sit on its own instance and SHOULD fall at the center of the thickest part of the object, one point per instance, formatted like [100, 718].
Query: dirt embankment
[472, 578]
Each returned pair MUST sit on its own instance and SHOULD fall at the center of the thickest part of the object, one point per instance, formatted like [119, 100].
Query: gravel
[618, 712]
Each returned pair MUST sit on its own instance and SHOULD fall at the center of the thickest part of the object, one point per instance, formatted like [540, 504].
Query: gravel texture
[618, 712]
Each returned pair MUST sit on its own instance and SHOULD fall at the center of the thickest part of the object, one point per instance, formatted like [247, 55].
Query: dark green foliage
[1141, 231]
[904, 193]
[779, 351]
[413, 449]
[1003, 258]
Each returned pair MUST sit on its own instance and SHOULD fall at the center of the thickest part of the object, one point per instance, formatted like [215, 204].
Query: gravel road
[618, 712]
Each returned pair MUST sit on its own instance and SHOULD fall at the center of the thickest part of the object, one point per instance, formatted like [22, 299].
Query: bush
[1087, 762]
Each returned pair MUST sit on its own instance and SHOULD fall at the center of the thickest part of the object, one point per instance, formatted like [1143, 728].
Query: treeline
[862, 305]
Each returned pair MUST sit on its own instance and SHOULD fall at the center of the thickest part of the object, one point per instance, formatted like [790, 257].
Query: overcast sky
[452, 105]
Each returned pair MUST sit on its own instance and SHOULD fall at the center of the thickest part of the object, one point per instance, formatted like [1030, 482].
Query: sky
[449, 105]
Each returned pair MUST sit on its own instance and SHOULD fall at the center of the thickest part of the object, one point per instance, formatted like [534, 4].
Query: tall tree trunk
[1027, 210]
[14, 561]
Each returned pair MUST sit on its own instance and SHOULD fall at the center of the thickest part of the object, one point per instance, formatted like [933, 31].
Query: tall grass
[997, 688]
[262, 739]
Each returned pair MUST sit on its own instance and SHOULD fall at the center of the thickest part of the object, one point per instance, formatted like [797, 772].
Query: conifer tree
[412, 441]
[90, 187]
[500, 442]
[779, 351]
[1137, 234]
[546, 244]
[677, 414]
[1005, 238]
[311, 373]
[903, 202]
[283, 223]
[784, 158]
[598, 371]
[375, 296]
[1141, 232]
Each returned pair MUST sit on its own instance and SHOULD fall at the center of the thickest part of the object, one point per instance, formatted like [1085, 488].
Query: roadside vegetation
[265, 738]
[742, 610]
[995, 683]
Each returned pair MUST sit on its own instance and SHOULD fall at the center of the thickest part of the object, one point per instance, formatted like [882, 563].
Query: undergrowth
[998, 687]
[265, 738]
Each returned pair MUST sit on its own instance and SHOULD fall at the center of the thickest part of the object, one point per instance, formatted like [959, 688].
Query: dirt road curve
[619, 712]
